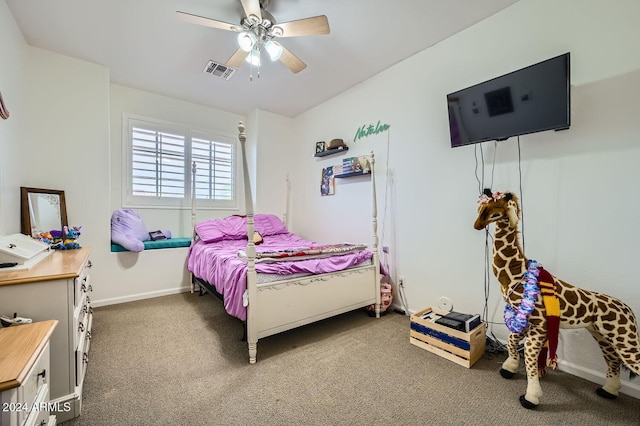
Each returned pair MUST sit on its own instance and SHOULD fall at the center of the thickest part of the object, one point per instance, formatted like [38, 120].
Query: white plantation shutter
[158, 163]
[214, 169]
[159, 167]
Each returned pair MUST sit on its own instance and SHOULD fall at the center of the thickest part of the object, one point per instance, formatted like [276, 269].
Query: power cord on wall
[493, 345]
[385, 254]
[521, 197]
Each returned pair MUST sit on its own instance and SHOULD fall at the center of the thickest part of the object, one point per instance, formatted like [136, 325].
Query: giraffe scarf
[548, 356]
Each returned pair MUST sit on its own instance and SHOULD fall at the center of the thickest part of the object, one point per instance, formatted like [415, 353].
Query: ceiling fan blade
[207, 22]
[316, 25]
[237, 59]
[292, 61]
[252, 7]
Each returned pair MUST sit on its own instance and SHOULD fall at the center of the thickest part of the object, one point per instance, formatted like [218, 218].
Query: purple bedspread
[218, 264]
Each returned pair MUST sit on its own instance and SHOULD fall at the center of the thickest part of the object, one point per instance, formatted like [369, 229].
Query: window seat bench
[158, 244]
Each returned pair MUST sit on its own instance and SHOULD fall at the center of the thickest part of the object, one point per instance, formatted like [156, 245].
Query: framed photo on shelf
[320, 147]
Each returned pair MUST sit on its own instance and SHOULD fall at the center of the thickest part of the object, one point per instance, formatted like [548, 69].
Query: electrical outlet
[401, 280]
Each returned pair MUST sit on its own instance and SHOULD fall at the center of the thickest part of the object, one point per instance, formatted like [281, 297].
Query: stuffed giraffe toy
[537, 304]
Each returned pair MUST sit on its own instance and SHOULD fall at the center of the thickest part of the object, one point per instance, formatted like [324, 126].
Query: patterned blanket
[304, 253]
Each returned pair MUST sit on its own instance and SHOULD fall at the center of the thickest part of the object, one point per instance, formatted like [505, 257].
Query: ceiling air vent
[219, 70]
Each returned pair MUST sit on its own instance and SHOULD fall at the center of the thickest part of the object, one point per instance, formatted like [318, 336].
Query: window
[159, 166]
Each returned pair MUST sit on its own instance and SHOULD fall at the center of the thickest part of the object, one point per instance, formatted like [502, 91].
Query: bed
[287, 281]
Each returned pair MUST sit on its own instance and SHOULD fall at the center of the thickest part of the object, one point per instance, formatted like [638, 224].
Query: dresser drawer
[81, 320]
[82, 284]
[82, 353]
[40, 415]
[35, 384]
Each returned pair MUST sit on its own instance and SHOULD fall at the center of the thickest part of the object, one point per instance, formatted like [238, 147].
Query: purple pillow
[235, 227]
[229, 228]
[269, 224]
[128, 230]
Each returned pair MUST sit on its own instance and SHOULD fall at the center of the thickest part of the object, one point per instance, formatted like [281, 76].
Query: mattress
[221, 264]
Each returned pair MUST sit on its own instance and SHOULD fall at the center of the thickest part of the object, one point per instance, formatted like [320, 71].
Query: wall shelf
[350, 174]
[331, 151]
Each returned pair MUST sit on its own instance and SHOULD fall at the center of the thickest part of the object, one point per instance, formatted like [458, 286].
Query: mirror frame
[24, 207]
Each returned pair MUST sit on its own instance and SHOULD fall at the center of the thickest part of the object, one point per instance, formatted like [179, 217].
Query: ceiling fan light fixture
[254, 58]
[246, 40]
[274, 49]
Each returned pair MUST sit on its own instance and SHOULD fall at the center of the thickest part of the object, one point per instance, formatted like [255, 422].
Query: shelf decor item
[335, 144]
[354, 166]
[320, 147]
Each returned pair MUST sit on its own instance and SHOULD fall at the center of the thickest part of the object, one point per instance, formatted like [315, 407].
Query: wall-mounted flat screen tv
[529, 100]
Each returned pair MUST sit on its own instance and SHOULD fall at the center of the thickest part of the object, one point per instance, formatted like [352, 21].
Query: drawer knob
[43, 374]
[85, 358]
[83, 287]
[89, 334]
[89, 264]
[81, 327]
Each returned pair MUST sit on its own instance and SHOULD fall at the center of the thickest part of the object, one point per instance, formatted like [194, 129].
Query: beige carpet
[178, 360]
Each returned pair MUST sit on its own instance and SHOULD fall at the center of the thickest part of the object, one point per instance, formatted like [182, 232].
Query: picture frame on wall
[320, 147]
[327, 185]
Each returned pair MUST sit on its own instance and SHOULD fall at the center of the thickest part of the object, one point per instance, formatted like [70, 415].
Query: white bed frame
[282, 305]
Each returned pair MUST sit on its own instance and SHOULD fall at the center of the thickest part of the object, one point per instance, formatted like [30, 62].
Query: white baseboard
[627, 387]
[139, 296]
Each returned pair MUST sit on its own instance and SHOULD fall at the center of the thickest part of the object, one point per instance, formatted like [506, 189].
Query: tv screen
[532, 99]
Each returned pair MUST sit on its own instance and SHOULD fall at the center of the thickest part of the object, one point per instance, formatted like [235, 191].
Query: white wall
[13, 86]
[579, 185]
[152, 273]
[57, 136]
[66, 145]
[125, 100]
[274, 160]
[133, 276]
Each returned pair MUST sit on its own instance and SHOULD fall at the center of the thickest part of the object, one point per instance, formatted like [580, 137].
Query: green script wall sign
[369, 130]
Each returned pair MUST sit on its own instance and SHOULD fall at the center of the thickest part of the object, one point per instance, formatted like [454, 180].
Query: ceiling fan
[258, 30]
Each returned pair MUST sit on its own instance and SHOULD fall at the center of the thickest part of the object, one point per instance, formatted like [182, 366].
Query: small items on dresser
[18, 251]
[6, 321]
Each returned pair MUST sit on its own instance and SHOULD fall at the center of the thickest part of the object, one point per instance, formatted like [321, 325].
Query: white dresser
[24, 375]
[59, 288]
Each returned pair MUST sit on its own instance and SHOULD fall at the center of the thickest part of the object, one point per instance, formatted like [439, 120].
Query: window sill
[159, 244]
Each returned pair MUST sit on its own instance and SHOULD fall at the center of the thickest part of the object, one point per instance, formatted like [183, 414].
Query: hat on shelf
[335, 143]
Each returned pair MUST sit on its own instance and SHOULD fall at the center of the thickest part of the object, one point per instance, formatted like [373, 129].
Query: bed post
[376, 256]
[194, 167]
[287, 189]
[252, 335]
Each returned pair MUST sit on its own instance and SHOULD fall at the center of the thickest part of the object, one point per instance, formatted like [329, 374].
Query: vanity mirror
[43, 210]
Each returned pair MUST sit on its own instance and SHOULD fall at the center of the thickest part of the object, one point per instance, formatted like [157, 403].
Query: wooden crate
[457, 346]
